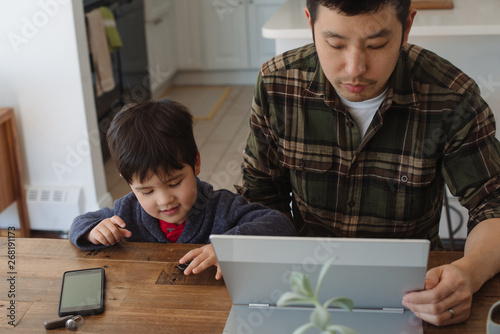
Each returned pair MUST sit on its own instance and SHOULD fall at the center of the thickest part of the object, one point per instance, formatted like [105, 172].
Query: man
[364, 131]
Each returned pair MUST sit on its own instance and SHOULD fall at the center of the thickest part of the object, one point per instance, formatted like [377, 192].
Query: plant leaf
[342, 302]
[299, 283]
[320, 317]
[322, 274]
[302, 329]
[290, 298]
[338, 329]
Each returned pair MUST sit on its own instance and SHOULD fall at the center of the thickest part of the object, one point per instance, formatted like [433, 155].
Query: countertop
[468, 17]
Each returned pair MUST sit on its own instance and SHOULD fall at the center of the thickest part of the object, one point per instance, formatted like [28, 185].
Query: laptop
[374, 273]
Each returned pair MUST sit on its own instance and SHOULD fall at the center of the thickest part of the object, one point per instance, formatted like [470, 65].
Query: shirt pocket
[406, 192]
[316, 180]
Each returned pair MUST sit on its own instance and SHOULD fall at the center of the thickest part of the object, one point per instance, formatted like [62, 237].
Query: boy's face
[171, 197]
[359, 53]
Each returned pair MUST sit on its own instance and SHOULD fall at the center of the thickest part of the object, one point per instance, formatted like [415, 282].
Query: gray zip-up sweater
[214, 212]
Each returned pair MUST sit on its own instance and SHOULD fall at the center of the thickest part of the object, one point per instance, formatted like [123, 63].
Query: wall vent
[53, 208]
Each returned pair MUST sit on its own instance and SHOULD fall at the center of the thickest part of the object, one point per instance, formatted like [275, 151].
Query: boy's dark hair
[356, 7]
[152, 137]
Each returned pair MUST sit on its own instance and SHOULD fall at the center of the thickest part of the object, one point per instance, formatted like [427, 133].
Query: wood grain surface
[141, 295]
[432, 4]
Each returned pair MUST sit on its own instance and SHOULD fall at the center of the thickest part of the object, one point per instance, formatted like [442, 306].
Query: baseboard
[226, 77]
[159, 90]
[106, 201]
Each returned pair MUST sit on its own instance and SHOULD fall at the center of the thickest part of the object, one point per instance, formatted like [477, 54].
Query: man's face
[359, 53]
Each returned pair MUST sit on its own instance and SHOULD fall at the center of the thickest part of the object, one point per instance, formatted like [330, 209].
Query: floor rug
[202, 101]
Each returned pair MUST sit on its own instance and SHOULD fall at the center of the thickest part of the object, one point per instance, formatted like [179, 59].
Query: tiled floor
[220, 142]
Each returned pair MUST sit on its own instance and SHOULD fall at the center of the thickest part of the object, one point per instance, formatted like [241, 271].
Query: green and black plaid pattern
[432, 129]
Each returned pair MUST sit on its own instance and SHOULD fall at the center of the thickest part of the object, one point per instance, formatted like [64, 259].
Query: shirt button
[404, 178]
[351, 203]
[349, 124]
[301, 164]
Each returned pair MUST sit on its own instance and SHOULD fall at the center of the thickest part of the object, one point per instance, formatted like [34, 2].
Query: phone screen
[82, 292]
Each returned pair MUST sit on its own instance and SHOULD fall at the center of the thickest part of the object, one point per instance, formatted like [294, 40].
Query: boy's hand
[109, 231]
[202, 258]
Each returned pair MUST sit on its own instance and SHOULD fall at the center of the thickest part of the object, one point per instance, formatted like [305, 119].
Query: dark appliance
[130, 63]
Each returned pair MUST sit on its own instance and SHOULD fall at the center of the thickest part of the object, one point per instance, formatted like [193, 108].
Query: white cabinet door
[160, 37]
[188, 35]
[224, 34]
[258, 13]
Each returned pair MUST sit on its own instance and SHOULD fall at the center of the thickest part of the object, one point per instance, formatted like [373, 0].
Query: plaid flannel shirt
[305, 151]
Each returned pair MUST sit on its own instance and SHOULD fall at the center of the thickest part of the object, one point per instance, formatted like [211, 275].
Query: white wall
[45, 77]
[477, 56]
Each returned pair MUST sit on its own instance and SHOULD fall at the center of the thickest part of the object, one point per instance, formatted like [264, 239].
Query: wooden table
[145, 292]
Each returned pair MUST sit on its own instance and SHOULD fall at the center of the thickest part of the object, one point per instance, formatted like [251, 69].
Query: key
[70, 322]
[183, 267]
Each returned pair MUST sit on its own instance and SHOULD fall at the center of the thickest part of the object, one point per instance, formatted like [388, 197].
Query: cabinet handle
[228, 5]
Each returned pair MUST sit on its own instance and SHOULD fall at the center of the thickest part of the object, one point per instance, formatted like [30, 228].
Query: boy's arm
[255, 219]
[239, 217]
[109, 232]
[201, 258]
[83, 224]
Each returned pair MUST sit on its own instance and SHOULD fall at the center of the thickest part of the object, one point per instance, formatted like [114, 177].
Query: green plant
[303, 294]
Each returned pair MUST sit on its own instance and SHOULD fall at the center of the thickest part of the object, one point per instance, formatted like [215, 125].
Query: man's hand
[202, 258]
[446, 288]
[109, 231]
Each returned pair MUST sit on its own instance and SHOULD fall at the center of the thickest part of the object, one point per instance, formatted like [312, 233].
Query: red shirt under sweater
[172, 231]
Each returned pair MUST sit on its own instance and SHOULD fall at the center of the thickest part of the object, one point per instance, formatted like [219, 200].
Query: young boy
[152, 144]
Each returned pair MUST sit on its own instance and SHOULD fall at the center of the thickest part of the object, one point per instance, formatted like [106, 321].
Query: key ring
[74, 322]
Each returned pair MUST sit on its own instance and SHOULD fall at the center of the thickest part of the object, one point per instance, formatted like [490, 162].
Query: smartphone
[82, 292]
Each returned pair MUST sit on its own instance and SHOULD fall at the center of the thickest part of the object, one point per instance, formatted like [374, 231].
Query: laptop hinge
[393, 310]
[258, 305]
[384, 309]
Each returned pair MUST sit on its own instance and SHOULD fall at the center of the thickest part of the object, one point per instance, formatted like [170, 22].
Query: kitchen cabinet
[161, 43]
[224, 34]
[258, 13]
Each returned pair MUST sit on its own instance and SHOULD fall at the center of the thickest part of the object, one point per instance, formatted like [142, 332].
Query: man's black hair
[357, 7]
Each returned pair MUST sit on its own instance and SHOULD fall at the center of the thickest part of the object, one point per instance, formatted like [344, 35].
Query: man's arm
[450, 287]
[264, 180]
[471, 169]
[482, 254]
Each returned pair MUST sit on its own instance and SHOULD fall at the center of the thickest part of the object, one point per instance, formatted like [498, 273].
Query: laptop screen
[374, 273]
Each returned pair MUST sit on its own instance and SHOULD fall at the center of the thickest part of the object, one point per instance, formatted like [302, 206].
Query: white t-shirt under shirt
[363, 112]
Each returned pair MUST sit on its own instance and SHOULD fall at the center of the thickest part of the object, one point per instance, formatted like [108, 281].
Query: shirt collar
[401, 88]
[320, 87]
